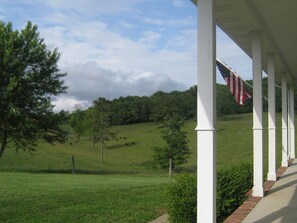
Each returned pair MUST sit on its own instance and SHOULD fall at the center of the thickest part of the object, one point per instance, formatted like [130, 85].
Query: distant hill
[136, 109]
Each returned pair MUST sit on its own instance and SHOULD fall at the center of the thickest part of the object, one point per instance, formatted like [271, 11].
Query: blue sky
[113, 48]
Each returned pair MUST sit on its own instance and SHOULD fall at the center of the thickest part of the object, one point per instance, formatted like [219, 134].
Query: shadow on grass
[69, 171]
[123, 145]
[191, 169]
[230, 117]
[154, 167]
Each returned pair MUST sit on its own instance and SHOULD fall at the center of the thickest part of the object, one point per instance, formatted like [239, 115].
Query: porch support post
[206, 112]
[258, 190]
[271, 119]
[291, 122]
[284, 121]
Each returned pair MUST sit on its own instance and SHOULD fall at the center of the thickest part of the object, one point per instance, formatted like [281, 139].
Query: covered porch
[265, 31]
[280, 202]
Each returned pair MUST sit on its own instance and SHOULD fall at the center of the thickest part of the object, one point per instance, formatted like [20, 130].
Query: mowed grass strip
[64, 198]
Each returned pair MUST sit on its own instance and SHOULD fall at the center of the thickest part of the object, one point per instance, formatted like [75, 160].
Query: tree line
[139, 109]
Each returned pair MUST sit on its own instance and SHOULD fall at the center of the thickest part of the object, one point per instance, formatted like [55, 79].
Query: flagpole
[241, 78]
[233, 72]
[230, 69]
[238, 74]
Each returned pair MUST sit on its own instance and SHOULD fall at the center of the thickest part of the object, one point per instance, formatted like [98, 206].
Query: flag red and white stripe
[234, 83]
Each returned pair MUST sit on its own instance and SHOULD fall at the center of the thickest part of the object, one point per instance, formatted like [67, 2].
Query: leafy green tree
[177, 151]
[102, 129]
[131, 109]
[175, 102]
[78, 122]
[29, 77]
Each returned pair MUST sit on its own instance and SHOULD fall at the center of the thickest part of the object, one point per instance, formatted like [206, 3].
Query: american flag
[234, 83]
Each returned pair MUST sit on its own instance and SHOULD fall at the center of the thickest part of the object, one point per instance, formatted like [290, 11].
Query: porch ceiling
[276, 19]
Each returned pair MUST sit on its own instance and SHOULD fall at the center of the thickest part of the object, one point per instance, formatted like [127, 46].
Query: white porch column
[206, 112]
[271, 119]
[258, 190]
[288, 123]
[292, 122]
[284, 121]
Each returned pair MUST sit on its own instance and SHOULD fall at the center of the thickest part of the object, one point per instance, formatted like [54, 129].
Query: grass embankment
[127, 197]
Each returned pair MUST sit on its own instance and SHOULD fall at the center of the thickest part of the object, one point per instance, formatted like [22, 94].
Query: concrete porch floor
[280, 203]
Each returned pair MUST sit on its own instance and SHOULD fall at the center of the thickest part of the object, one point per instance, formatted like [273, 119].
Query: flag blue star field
[234, 83]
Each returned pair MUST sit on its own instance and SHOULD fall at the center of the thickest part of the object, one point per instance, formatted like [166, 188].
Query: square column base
[271, 176]
[285, 164]
[258, 191]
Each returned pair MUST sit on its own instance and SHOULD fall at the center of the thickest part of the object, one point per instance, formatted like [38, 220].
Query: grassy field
[63, 198]
[125, 188]
[131, 152]
[235, 140]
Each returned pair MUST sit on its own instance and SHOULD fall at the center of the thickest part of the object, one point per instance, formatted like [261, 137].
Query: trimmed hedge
[182, 199]
[232, 184]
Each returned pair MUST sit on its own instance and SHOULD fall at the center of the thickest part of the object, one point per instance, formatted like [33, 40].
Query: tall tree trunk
[170, 168]
[73, 165]
[4, 143]
[93, 143]
[102, 147]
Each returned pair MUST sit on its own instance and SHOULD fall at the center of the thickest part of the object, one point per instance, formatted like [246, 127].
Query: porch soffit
[277, 21]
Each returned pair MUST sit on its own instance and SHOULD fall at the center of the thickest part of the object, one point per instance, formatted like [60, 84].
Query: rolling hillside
[131, 152]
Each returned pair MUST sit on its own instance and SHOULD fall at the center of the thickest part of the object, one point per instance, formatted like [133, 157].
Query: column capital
[205, 129]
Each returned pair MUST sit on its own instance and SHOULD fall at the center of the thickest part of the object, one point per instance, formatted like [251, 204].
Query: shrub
[182, 198]
[232, 184]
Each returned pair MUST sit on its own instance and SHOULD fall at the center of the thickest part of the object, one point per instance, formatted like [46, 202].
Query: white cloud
[92, 7]
[179, 3]
[68, 104]
[89, 81]
[150, 37]
[153, 21]
[189, 21]
[83, 42]
[127, 25]
[184, 40]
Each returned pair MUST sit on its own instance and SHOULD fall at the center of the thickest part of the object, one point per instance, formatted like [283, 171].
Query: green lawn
[64, 198]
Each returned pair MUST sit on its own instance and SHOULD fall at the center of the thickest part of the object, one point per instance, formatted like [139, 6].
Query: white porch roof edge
[275, 19]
